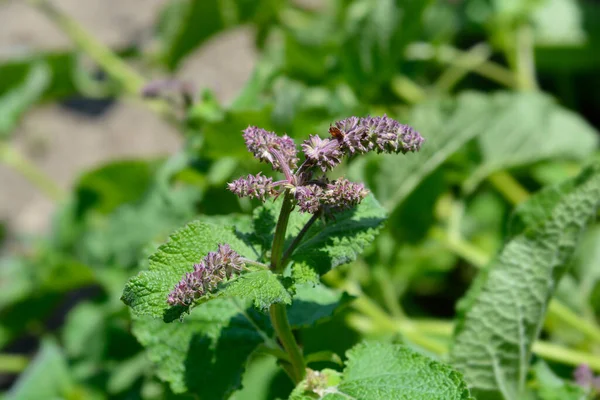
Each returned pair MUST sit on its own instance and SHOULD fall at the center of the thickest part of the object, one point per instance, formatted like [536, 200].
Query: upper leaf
[147, 292]
[387, 372]
[326, 244]
[502, 314]
[205, 354]
[337, 242]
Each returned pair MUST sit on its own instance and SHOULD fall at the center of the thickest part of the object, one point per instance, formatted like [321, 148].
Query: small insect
[336, 132]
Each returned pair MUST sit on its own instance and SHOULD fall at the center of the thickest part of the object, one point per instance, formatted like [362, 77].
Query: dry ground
[63, 142]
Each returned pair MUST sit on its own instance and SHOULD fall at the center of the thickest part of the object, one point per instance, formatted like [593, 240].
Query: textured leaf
[326, 244]
[530, 127]
[446, 126]
[313, 303]
[389, 372]
[47, 377]
[119, 239]
[207, 352]
[502, 313]
[340, 241]
[262, 287]
[147, 292]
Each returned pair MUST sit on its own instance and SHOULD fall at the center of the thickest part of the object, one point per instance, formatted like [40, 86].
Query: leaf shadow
[343, 229]
[215, 362]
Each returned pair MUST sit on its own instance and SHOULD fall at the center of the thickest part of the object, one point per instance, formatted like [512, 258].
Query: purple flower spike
[214, 268]
[253, 186]
[390, 136]
[324, 153]
[261, 143]
[309, 198]
[342, 194]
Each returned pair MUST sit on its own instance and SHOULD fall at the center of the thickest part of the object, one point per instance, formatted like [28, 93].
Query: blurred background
[120, 121]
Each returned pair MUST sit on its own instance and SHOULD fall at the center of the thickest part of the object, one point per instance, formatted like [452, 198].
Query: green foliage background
[488, 261]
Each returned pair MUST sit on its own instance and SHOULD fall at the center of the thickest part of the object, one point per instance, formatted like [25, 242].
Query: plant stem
[283, 329]
[280, 230]
[525, 59]
[407, 89]
[565, 314]
[278, 311]
[453, 56]
[509, 187]
[465, 63]
[12, 158]
[298, 239]
[565, 355]
[13, 363]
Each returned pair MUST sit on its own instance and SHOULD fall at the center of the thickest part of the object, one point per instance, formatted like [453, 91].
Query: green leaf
[387, 372]
[147, 292]
[18, 99]
[313, 303]
[119, 239]
[114, 184]
[525, 128]
[340, 241]
[47, 377]
[551, 387]
[326, 244]
[502, 313]
[446, 126]
[206, 353]
[375, 35]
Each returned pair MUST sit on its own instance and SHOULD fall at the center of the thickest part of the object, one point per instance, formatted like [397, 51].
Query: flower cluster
[338, 195]
[280, 152]
[214, 268]
[348, 137]
[253, 186]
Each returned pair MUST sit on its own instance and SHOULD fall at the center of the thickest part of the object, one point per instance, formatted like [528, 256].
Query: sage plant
[304, 186]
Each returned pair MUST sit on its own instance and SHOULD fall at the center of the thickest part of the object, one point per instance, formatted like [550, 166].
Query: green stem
[278, 311]
[565, 355]
[12, 363]
[283, 329]
[418, 332]
[298, 239]
[509, 187]
[564, 313]
[12, 158]
[525, 59]
[407, 89]
[280, 230]
[453, 56]
[465, 63]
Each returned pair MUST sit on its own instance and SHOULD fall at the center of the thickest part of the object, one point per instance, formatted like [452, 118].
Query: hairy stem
[15, 160]
[277, 311]
[280, 230]
[298, 239]
[283, 329]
